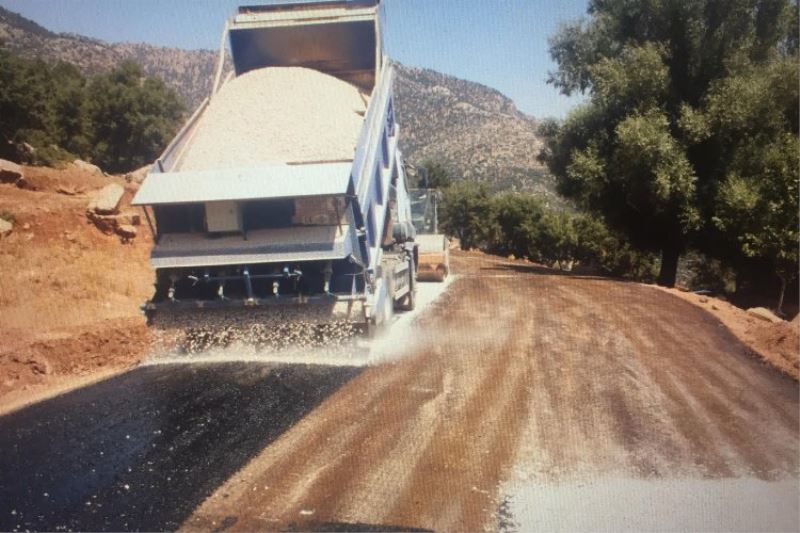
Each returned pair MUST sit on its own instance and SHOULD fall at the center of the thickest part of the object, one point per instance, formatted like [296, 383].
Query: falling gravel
[277, 115]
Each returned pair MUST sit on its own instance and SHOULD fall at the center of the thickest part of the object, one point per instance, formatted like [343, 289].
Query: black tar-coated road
[140, 451]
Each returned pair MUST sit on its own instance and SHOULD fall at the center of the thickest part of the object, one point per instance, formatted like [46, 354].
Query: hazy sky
[500, 43]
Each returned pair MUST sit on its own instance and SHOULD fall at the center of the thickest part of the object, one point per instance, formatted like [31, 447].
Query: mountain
[473, 130]
[190, 72]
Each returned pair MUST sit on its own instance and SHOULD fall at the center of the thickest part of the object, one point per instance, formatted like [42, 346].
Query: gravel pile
[277, 115]
[266, 330]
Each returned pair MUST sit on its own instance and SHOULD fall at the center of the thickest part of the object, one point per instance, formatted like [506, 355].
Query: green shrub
[524, 226]
[465, 213]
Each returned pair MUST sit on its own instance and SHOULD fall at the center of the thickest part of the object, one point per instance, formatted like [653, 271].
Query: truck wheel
[410, 299]
[388, 312]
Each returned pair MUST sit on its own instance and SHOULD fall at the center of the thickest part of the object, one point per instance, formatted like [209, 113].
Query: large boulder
[127, 232]
[10, 172]
[24, 183]
[110, 224]
[138, 175]
[87, 167]
[106, 201]
[5, 227]
[764, 314]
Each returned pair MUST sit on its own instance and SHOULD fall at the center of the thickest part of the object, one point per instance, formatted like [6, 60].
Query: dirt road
[517, 374]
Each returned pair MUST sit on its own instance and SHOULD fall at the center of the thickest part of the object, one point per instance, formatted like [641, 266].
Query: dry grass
[55, 283]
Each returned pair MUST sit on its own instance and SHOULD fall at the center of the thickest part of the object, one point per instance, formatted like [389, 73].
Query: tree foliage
[132, 117]
[523, 226]
[690, 122]
[464, 211]
[433, 175]
[120, 120]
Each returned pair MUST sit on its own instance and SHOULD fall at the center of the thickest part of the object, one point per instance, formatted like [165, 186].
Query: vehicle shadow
[142, 450]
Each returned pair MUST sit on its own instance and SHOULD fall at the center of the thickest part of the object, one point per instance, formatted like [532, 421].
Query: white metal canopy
[254, 183]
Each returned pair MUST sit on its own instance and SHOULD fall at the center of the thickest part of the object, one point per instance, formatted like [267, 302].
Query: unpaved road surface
[515, 376]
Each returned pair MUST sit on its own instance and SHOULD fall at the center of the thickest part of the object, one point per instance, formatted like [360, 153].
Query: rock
[714, 307]
[107, 200]
[87, 167]
[23, 183]
[138, 175]
[127, 232]
[69, 190]
[703, 299]
[26, 226]
[106, 224]
[41, 366]
[10, 172]
[5, 227]
[765, 314]
[27, 150]
[130, 218]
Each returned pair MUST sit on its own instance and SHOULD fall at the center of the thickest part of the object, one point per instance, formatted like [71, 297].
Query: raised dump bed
[287, 182]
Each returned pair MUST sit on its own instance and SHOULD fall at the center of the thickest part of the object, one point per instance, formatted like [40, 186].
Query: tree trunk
[669, 265]
[781, 294]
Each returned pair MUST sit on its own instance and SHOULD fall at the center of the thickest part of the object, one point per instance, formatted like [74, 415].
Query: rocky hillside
[189, 71]
[472, 129]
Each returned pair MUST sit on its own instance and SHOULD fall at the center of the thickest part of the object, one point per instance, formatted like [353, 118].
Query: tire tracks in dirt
[520, 372]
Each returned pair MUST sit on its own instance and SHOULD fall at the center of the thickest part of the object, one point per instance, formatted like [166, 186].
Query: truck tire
[410, 299]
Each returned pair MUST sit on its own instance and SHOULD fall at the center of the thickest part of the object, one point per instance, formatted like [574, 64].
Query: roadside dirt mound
[69, 294]
[781, 339]
[69, 179]
[777, 344]
[113, 344]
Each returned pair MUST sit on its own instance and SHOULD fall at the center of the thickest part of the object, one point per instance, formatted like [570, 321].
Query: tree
[434, 175]
[70, 123]
[120, 120]
[41, 104]
[514, 225]
[751, 120]
[24, 93]
[642, 152]
[466, 213]
[132, 117]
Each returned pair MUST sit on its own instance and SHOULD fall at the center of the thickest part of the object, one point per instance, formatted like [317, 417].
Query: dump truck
[433, 247]
[280, 211]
